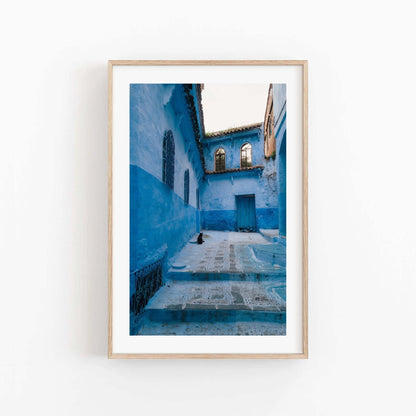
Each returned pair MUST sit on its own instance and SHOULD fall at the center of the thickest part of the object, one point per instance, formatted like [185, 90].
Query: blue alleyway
[233, 284]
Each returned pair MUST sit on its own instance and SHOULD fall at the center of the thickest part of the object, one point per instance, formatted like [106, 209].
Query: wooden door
[246, 213]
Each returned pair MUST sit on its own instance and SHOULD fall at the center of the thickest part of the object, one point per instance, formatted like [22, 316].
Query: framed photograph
[208, 230]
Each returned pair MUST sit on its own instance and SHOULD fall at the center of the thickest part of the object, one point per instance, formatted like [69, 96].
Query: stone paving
[233, 284]
[222, 252]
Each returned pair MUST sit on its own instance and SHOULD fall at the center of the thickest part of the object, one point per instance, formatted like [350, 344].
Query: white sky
[233, 105]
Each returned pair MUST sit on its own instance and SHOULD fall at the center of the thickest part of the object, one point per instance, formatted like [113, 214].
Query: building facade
[241, 193]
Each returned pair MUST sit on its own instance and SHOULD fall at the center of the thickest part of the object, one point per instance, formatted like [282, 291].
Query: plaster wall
[281, 182]
[279, 102]
[279, 112]
[279, 109]
[159, 216]
[218, 203]
[154, 109]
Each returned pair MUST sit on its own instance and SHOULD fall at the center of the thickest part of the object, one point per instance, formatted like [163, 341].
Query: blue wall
[159, 216]
[218, 201]
[226, 220]
[279, 109]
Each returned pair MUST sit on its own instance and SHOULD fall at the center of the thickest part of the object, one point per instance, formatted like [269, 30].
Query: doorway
[246, 213]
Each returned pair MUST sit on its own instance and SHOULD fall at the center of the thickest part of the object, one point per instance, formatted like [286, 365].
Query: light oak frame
[304, 65]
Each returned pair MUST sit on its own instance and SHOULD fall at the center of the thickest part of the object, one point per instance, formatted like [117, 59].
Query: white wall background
[53, 168]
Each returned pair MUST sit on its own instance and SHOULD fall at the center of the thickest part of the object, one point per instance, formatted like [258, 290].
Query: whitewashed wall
[53, 166]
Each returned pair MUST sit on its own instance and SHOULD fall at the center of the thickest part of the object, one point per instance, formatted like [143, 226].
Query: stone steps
[221, 307]
[210, 313]
[233, 284]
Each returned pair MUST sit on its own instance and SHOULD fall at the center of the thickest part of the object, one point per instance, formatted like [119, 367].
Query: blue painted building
[241, 195]
[166, 170]
[182, 180]
[279, 133]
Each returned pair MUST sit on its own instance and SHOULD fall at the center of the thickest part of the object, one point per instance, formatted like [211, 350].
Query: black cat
[200, 240]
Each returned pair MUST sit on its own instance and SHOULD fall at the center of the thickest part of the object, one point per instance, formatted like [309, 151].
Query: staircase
[222, 299]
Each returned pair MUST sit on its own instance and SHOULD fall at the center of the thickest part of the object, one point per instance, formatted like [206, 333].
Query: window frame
[186, 186]
[247, 165]
[168, 159]
[216, 154]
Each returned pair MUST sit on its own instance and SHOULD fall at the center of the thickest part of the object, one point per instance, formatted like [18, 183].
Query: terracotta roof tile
[232, 130]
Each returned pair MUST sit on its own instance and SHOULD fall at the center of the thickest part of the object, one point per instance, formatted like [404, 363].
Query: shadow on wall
[158, 217]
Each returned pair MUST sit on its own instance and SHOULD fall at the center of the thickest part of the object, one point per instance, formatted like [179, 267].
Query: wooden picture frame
[303, 66]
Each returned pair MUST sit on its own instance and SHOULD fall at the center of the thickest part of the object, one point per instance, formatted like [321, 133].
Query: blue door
[246, 213]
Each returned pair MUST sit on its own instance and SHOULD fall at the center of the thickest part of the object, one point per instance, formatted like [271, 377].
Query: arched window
[168, 174]
[246, 155]
[186, 186]
[220, 160]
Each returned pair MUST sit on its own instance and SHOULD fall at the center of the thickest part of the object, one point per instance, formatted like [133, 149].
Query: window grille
[168, 174]
[220, 160]
[246, 155]
[186, 186]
